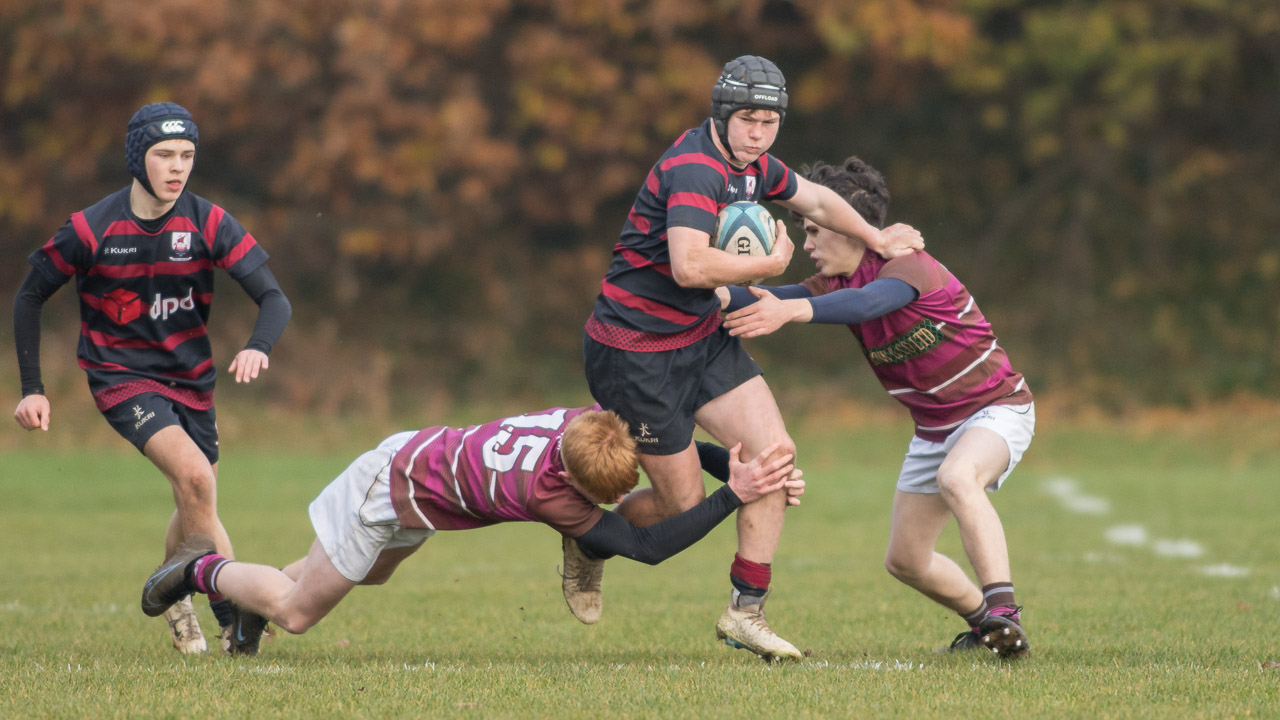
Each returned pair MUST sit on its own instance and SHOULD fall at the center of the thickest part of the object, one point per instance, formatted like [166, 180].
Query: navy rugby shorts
[142, 416]
[658, 392]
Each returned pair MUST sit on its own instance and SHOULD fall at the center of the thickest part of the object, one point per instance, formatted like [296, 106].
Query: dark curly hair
[861, 185]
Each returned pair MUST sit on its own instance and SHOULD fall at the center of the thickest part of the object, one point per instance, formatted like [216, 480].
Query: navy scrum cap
[155, 123]
[749, 81]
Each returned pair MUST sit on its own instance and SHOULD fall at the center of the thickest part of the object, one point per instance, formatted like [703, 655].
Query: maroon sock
[999, 594]
[750, 578]
[975, 617]
[204, 574]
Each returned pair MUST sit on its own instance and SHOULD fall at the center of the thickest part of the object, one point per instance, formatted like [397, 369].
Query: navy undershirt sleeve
[615, 535]
[740, 296]
[855, 305]
[842, 307]
[27, 308]
[274, 309]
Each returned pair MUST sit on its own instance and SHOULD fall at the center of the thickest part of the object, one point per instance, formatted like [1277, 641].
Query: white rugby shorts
[1015, 423]
[353, 516]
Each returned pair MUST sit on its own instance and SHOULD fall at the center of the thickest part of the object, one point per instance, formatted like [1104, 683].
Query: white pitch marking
[1225, 570]
[1127, 535]
[1178, 548]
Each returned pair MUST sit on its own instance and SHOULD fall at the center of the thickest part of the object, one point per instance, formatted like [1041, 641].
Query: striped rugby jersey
[145, 289]
[640, 305]
[937, 355]
[502, 471]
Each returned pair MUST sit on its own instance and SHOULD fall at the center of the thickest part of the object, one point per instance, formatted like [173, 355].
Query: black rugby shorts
[658, 392]
[142, 416]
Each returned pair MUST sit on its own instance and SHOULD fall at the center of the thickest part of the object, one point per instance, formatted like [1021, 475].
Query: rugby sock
[975, 617]
[221, 608]
[999, 594]
[203, 573]
[750, 578]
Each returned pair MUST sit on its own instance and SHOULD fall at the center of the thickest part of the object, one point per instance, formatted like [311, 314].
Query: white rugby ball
[745, 228]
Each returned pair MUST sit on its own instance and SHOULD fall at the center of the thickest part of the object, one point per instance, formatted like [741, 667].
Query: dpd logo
[163, 307]
[122, 306]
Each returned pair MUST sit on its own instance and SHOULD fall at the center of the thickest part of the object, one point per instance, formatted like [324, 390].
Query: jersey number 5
[503, 451]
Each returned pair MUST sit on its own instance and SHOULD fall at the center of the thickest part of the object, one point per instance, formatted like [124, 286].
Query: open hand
[900, 240]
[247, 364]
[752, 481]
[765, 315]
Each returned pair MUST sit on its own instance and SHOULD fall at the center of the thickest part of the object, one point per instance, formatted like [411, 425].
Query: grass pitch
[1145, 554]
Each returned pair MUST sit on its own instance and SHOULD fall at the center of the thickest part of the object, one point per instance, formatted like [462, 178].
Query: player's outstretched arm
[614, 535]
[843, 307]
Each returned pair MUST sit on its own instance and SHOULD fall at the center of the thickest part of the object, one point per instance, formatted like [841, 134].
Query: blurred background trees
[440, 183]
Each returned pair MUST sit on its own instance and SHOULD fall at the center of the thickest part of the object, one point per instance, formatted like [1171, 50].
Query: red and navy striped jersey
[640, 305]
[145, 290]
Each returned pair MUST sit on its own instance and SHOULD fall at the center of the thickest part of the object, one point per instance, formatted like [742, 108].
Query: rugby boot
[743, 625]
[967, 640]
[168, 584]
[245, 631]
[1001, 632]
[580, 581]
[187, 637]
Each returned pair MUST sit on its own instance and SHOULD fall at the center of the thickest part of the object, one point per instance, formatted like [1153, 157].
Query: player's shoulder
[110, 208]
[919, 269]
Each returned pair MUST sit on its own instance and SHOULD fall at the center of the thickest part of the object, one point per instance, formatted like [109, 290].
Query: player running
[654, 349]
[553, 467]
[143, 260]
[934, 351]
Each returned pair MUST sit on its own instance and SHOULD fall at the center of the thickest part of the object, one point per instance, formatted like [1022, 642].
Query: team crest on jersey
[751, 185]
[180, 241]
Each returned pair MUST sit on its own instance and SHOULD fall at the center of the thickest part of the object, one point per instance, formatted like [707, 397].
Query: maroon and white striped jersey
[448, 478]
[938, 354]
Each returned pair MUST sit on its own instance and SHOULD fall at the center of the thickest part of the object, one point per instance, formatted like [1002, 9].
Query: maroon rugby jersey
[937, 355]
[503, 471]
[640, 305]
[145, 290]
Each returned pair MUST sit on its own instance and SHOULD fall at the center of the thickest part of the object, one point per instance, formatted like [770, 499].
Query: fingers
[247, 364]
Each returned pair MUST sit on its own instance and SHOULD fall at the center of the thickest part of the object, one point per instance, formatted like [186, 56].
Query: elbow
[686, 277]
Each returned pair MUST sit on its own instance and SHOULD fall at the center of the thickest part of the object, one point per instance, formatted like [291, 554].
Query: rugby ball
[745, 228]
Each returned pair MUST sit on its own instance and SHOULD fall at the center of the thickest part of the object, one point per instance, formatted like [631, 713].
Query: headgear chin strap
[155, 123]
[749, 81]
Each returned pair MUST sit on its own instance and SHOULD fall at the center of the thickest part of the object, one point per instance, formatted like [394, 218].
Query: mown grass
[474, 625]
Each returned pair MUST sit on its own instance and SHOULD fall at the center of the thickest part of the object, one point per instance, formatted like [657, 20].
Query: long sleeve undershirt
[615, 535]
[847, 306]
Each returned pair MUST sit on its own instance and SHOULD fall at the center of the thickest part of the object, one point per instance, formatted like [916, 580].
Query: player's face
[168, 167]
[751, 134]
[833, 253]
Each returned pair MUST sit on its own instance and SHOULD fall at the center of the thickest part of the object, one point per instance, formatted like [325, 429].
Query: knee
[195, 483]
[904, 568]
[294, 620]
[957, 479]
[295, 623]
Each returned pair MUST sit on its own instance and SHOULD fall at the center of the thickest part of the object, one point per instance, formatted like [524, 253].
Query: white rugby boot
[581, 580]
[743, 625]
[187, 637]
